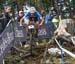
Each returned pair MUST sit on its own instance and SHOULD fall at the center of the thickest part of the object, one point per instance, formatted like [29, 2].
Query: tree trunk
[38, 2]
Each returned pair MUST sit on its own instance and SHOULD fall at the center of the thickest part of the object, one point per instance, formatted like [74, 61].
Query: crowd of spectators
[50, 18]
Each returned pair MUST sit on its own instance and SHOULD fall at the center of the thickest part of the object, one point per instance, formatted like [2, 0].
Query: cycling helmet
[32, 10]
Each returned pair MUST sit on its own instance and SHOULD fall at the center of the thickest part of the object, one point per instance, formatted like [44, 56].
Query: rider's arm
[40, 17]
[42, 21]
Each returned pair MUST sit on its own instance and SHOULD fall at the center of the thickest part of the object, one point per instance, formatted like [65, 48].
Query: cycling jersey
[36, 14]
[33, 18]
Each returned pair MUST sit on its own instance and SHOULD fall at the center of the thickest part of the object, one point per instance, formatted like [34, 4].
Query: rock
[54, 51]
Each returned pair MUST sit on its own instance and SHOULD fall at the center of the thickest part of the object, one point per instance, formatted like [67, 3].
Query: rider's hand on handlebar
[40, 24]
[21, 25]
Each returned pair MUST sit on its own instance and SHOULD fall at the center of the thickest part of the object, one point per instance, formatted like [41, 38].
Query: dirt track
[37, 56]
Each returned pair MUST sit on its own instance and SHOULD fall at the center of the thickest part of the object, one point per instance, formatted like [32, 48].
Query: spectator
[4, 18]
[48, 18]
[7, 10]
[1, 23]
[55, 21]
[20, 15]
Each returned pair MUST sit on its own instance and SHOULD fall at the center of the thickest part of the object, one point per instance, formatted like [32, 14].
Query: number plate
[31, 26]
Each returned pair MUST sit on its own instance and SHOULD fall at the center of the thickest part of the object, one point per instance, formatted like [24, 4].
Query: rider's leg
[36, 24]
[36, 28]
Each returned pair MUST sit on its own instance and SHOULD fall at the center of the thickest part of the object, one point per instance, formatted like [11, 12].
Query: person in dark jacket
[4, 18]
[1, 23]
[20, 15]
[7, 10]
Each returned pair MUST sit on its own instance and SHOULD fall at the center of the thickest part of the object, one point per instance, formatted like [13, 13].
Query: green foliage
[40, 4]
[14, 59]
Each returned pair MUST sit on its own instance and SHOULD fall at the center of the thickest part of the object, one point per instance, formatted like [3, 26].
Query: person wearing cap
[20, 15]
[32, 13]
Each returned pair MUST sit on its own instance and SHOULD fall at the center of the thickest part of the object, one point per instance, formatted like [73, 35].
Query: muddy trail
[39, 55]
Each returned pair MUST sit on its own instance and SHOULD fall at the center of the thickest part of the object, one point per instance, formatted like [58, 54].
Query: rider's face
[32, 14]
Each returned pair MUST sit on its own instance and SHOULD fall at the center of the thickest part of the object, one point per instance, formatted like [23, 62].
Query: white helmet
[32, 10]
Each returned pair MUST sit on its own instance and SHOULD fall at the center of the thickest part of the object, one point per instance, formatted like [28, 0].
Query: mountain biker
[32, 14]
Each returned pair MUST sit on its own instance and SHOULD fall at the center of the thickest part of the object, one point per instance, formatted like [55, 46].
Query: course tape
[63, 49]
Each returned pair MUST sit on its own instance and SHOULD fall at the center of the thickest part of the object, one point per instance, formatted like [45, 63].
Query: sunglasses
[21, 13]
